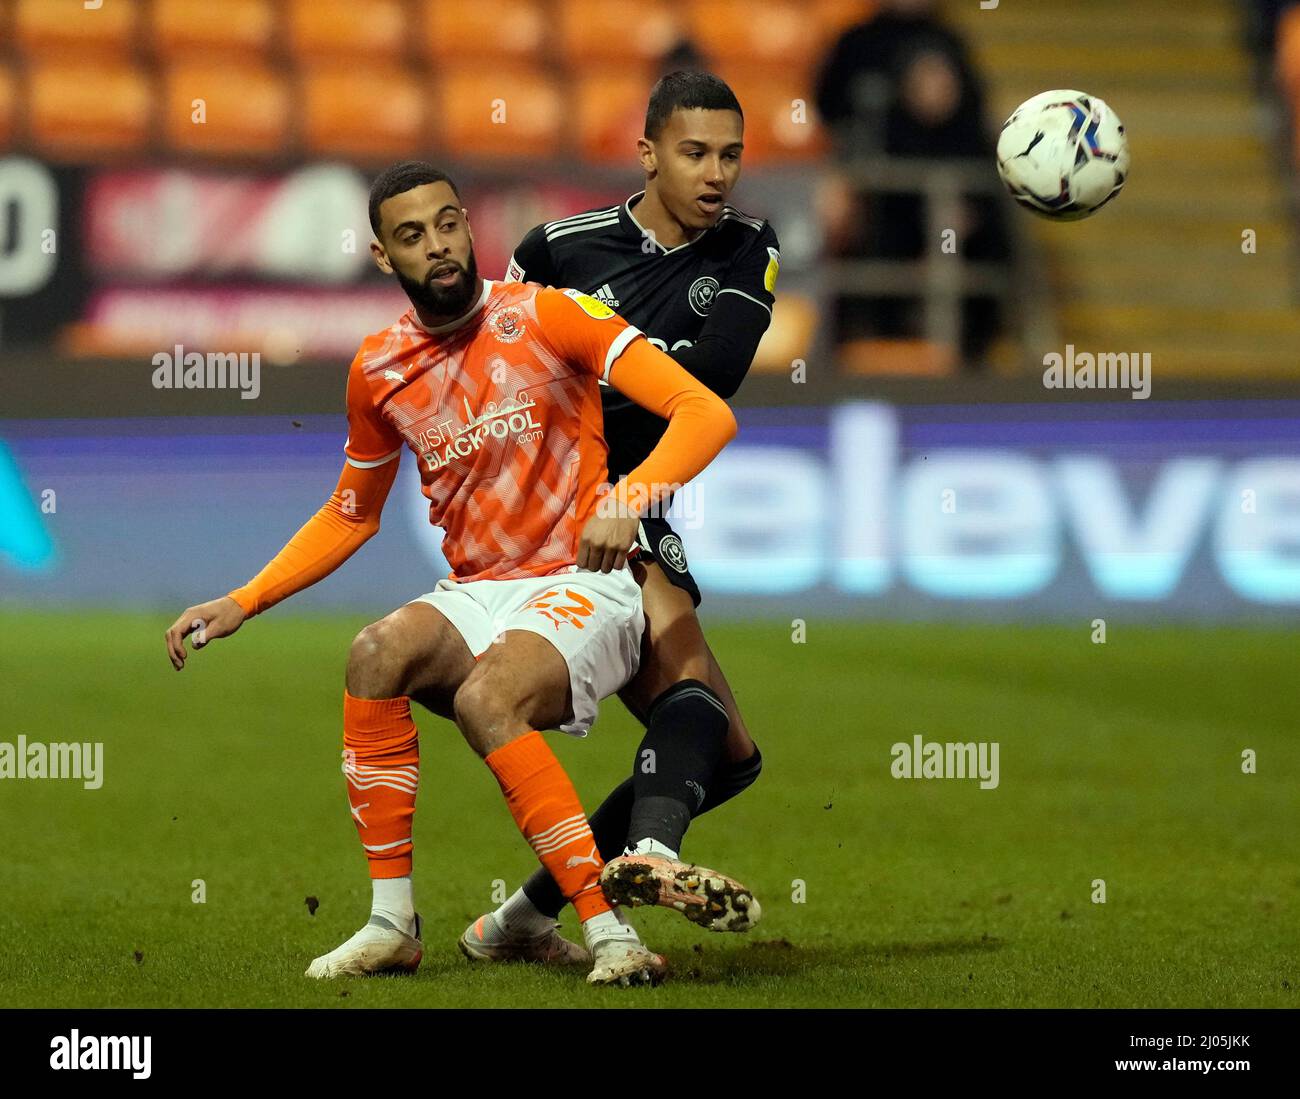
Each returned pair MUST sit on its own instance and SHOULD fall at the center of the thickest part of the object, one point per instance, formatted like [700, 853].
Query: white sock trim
[613, 924]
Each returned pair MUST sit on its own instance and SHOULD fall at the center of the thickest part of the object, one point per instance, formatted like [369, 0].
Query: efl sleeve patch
[514, 273]
[593, 307]
[773, 266]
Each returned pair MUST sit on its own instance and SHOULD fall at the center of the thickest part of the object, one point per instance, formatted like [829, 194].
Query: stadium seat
[246, 108]
[90, 106]
[247, 26]
[504, 29]
[8, 105]
[344, 29]
[1288, 54]
[1288, 68]
[611, 113]
[63, 26]
[773, 32]
[917, 358]
[781, 120]
[529, 106]
[595, 33]
[789, 336]
[355, 112]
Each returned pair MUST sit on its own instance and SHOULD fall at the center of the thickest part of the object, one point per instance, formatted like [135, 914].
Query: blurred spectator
[684, 56]
[1261, 23]
[902, 85]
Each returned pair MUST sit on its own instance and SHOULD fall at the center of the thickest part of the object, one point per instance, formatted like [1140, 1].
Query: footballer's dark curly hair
[685, 91]
[401, 177]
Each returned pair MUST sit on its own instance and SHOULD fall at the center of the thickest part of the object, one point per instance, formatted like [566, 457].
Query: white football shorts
[593, 619]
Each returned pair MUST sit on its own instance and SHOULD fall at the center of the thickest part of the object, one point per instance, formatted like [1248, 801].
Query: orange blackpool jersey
[502, 410]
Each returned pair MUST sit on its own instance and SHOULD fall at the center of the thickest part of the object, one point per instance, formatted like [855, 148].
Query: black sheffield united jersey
[670, 294]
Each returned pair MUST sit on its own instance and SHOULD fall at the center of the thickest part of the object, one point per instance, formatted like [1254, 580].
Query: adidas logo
[606, 295]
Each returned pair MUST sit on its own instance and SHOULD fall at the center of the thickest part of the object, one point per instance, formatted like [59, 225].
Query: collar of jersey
[438, 329]
[642, 232]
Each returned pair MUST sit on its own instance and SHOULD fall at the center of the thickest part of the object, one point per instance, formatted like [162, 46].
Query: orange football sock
[381, 759]
[546, 807]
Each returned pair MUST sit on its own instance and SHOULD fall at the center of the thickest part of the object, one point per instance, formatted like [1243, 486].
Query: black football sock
[610, 823]
[731, 779]
[608, 829]
[682, 747]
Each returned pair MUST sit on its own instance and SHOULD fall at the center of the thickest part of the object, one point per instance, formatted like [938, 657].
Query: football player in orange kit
[495, 388]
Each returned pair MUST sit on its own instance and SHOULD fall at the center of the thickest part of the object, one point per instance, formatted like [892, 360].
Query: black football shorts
[660, 543]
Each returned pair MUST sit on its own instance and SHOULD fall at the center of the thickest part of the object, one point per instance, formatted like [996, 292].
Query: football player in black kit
[696, 276]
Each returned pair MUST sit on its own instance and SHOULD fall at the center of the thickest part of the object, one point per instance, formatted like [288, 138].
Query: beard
[441, 301]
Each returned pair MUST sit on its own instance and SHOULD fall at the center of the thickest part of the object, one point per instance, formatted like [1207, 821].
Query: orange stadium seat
[248, 26]
[49, 26]
[8, 105]
[347, 111]
[610, 113]
[377, 29]
[1288, 68]
[790, 335]
[500, 114]
[1288, 54]
[246, 108]
[614, 30]
[769, 31]
[502, 29]
[781, 120]
[90, 105]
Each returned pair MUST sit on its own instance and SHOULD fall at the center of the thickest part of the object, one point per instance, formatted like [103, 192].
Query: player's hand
[208, 621]
[605, 542]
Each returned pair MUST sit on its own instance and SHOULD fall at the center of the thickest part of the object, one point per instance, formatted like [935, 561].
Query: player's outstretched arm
[348, 520]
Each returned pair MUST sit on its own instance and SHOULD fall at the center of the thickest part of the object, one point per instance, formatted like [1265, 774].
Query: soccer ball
[1063, 155]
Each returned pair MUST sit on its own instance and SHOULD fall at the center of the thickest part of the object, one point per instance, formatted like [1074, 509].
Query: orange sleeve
[371, 438]
[346, 522]
[699, 423]
[585, 331]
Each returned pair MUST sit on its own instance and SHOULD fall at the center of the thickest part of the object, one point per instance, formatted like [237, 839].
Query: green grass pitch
[1118, 761]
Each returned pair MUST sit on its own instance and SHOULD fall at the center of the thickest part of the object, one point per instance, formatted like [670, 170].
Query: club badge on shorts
[671, 552]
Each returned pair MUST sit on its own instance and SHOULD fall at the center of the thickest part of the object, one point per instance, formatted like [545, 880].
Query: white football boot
[485, 941]
[626, 963]
[378, 947]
